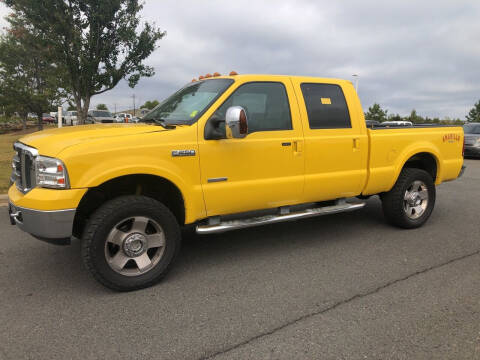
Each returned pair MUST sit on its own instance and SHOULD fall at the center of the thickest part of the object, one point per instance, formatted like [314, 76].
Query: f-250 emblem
[183, 152]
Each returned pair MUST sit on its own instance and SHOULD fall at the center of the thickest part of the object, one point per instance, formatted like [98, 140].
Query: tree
[102, 107]
[71, 107]
[28, 82]
[98, 42]
[150, 104]
[474, 113]
[414, 118]
[375, 112]
[394, 117]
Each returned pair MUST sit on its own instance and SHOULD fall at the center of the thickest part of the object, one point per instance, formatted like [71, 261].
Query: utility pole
[356, 82]
[115, 107]
[133, 104]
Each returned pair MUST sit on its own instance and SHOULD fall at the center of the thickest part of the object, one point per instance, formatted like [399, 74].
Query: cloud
[408, 54]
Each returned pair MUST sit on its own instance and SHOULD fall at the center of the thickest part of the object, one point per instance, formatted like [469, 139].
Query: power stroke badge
[183, 152]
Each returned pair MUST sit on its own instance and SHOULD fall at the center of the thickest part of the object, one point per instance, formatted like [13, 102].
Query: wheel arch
[154, 186]
[425, 159]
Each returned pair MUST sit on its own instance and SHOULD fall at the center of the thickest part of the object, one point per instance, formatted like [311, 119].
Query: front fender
[92, 171]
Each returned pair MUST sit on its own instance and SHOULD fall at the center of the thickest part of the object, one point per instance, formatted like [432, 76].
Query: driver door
[266, 168]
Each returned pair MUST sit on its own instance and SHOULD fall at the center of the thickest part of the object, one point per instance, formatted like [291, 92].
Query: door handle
[298, 146]
[356, 143]
[286, 143]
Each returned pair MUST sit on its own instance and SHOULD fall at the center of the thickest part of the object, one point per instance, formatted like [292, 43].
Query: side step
[340, 206]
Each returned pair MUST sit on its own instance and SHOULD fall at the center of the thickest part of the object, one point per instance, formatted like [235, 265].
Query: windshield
[97, 113]
[189, 103]
[471, 129]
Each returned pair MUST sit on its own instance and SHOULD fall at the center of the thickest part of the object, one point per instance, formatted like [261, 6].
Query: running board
[223, 226]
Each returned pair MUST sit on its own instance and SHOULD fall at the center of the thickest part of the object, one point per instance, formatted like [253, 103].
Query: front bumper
[52, 226]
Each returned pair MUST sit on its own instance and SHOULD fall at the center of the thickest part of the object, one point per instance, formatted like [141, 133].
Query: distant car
[396, 123]
[118, 119]
[472, 139]
[125, 117]
[136, 119]
[70, 118]
[372, 123]
[100, 116]
[47, 118]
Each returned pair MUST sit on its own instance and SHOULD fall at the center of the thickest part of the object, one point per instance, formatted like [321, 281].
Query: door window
[266, 105]
[326, 106]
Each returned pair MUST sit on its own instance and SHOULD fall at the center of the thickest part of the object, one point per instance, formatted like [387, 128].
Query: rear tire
[130, 243]
[411, 201]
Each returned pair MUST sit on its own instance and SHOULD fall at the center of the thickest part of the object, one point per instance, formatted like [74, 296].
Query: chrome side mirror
[237, 123]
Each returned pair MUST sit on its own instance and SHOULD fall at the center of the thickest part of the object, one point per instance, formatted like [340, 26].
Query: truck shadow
[201, 252]
[275, 238]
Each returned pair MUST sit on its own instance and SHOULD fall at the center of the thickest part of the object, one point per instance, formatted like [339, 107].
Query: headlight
[51, 173]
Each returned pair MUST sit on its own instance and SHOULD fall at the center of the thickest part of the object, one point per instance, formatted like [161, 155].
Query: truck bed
[391, 147]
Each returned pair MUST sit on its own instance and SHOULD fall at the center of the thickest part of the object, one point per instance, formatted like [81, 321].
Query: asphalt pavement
[345, 286]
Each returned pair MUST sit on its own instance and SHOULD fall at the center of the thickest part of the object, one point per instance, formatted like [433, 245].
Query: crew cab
[222, 153]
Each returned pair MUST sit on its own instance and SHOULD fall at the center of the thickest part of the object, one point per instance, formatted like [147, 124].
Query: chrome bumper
[45, 225]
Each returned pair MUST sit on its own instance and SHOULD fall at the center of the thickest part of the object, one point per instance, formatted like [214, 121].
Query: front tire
[411, 201]
[130, 243]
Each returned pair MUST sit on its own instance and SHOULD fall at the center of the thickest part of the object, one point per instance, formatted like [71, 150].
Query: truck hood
[51, 142]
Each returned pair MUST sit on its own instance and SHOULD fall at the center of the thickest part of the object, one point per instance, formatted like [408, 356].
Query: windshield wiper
[161, 122]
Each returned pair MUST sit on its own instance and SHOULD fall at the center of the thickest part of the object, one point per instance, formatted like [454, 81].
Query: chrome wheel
[134, 246]
[415, 200]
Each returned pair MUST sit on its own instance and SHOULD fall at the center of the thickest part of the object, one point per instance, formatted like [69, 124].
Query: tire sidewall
[136, 207]
[427, 180]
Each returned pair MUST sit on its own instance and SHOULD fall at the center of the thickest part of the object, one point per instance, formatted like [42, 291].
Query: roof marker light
[208, 76]
[233, 73]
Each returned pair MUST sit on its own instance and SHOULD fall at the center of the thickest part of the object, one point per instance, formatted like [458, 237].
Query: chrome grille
[23, 164]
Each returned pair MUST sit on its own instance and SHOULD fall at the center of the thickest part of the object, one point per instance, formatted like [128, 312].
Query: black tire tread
[98, 219]
[392, 201]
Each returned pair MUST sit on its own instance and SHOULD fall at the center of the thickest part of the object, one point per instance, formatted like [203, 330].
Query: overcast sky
[408, 54]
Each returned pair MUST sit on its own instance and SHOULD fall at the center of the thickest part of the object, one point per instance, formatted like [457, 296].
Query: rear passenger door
[336, 144]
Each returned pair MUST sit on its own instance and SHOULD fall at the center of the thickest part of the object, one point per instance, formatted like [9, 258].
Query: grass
[6, 155]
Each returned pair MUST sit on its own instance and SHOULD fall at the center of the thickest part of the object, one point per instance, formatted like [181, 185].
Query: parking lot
[340, 286]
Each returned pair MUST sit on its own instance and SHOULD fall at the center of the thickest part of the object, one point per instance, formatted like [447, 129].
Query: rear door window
[326, 106]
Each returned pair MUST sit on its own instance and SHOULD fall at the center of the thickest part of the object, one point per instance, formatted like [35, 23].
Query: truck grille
[23, 164]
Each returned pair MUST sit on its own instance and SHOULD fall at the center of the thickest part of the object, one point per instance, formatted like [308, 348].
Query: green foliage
[150, 104]
[474, 113]
[102, 107]
[71, 107]
[375, 112]
[97, 42]
[28, 81]
[414, 118]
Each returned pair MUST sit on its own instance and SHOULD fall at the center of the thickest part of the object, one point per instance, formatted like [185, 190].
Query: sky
[422, 55]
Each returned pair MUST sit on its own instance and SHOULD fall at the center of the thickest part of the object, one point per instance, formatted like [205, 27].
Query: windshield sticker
[193, 113]
[326, 101]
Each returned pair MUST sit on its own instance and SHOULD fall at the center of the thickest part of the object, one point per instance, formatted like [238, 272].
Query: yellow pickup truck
[222, 153]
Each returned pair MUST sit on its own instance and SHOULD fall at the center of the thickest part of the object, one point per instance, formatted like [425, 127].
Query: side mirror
[237, 123]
